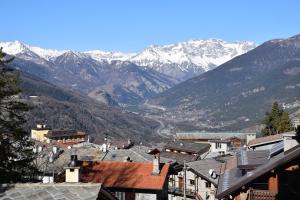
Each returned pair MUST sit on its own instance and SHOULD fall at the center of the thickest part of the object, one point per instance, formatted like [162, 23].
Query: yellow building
[40, 132]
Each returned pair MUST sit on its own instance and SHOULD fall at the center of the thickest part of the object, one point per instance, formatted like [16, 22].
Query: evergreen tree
[16, 153]
[277, 121]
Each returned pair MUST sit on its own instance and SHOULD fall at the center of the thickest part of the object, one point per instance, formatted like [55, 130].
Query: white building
[220, 146]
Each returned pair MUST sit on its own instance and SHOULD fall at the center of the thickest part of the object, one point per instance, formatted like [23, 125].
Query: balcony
[262, 195]
[179, 192]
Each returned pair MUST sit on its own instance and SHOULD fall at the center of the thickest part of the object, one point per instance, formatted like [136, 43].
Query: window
[218, 145]
[207, 184]
[192, 182]
[71, 170]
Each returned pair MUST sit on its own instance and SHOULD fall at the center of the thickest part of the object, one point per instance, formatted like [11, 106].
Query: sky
[132, 25]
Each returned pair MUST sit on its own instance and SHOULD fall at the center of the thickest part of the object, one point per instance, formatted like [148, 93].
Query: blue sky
[131, 25]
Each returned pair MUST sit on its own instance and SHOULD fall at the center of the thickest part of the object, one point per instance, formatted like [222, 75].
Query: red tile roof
[264, 140]
[131, 175]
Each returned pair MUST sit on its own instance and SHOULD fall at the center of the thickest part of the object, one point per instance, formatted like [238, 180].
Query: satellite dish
[210, 171]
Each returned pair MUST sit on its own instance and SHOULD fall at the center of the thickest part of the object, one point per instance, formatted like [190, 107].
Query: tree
[16, 153]
[276, 121]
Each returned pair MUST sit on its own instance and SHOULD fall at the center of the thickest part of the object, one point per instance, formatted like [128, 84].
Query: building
[134, 154]
[198, 136]
[57, 191]
[65, 136]
[127, 180]
[276, 179]
[265, 143]
[201, 179]
[264, 174]
[184, 151]
[39, 133]
[219, 146]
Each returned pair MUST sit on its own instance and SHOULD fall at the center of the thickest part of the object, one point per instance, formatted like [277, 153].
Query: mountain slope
[125, 82]
[64, 109]
[237, 93]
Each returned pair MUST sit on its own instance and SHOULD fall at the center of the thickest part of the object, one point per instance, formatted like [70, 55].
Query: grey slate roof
[252, 159]
[197, 148]
[227, 179]
[179, 157]
[57, 191]
[202, 167]
[210, 135]
[60, 161]
[136, 154]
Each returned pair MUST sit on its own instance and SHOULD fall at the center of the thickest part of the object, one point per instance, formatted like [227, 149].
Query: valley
[174, 87]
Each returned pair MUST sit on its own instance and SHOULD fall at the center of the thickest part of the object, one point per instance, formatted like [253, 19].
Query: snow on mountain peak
[17, 47]
[181, 60]
[205, 54]
[109, 56]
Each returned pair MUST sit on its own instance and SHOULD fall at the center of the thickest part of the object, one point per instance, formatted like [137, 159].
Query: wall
[223, 147]
[39, 135]
[72, 177]
[199, 187]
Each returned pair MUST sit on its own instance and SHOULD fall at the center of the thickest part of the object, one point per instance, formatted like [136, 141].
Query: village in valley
[150, 100]
[201, 165]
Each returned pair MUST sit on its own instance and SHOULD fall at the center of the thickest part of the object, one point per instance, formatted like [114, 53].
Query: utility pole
[184, 180]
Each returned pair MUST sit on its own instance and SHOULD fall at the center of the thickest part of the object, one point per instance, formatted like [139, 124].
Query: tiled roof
[202, 167]
[265, 140]
[131, 175]
[37, 191]
[197, 148]
[64, 133]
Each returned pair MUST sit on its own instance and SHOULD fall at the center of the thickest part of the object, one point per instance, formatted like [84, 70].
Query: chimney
[250, 136]
[156, 161]
[73, 170]
[127, 159]
[289, 140]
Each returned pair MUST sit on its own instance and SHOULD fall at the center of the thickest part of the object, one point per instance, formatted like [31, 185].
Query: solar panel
[277, 148]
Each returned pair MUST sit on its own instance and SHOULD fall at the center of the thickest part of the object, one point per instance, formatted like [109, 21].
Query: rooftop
[179, 157]
[136, 154]
[210, 135]
[64, 133]
[265, 140]
[252, 159]
[37, 191]
[202, 167]
[130, 175]
[195, 148]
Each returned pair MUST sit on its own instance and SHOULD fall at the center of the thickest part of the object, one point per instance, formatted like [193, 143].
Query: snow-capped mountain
[109, 56]
[19, 48]
[181, 61]
[129, 78]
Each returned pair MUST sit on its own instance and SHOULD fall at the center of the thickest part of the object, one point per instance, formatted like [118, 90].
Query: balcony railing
[262, 194]
[179, 192]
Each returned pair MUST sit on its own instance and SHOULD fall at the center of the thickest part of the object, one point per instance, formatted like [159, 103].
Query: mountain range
[128, 78]
[237, 94]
